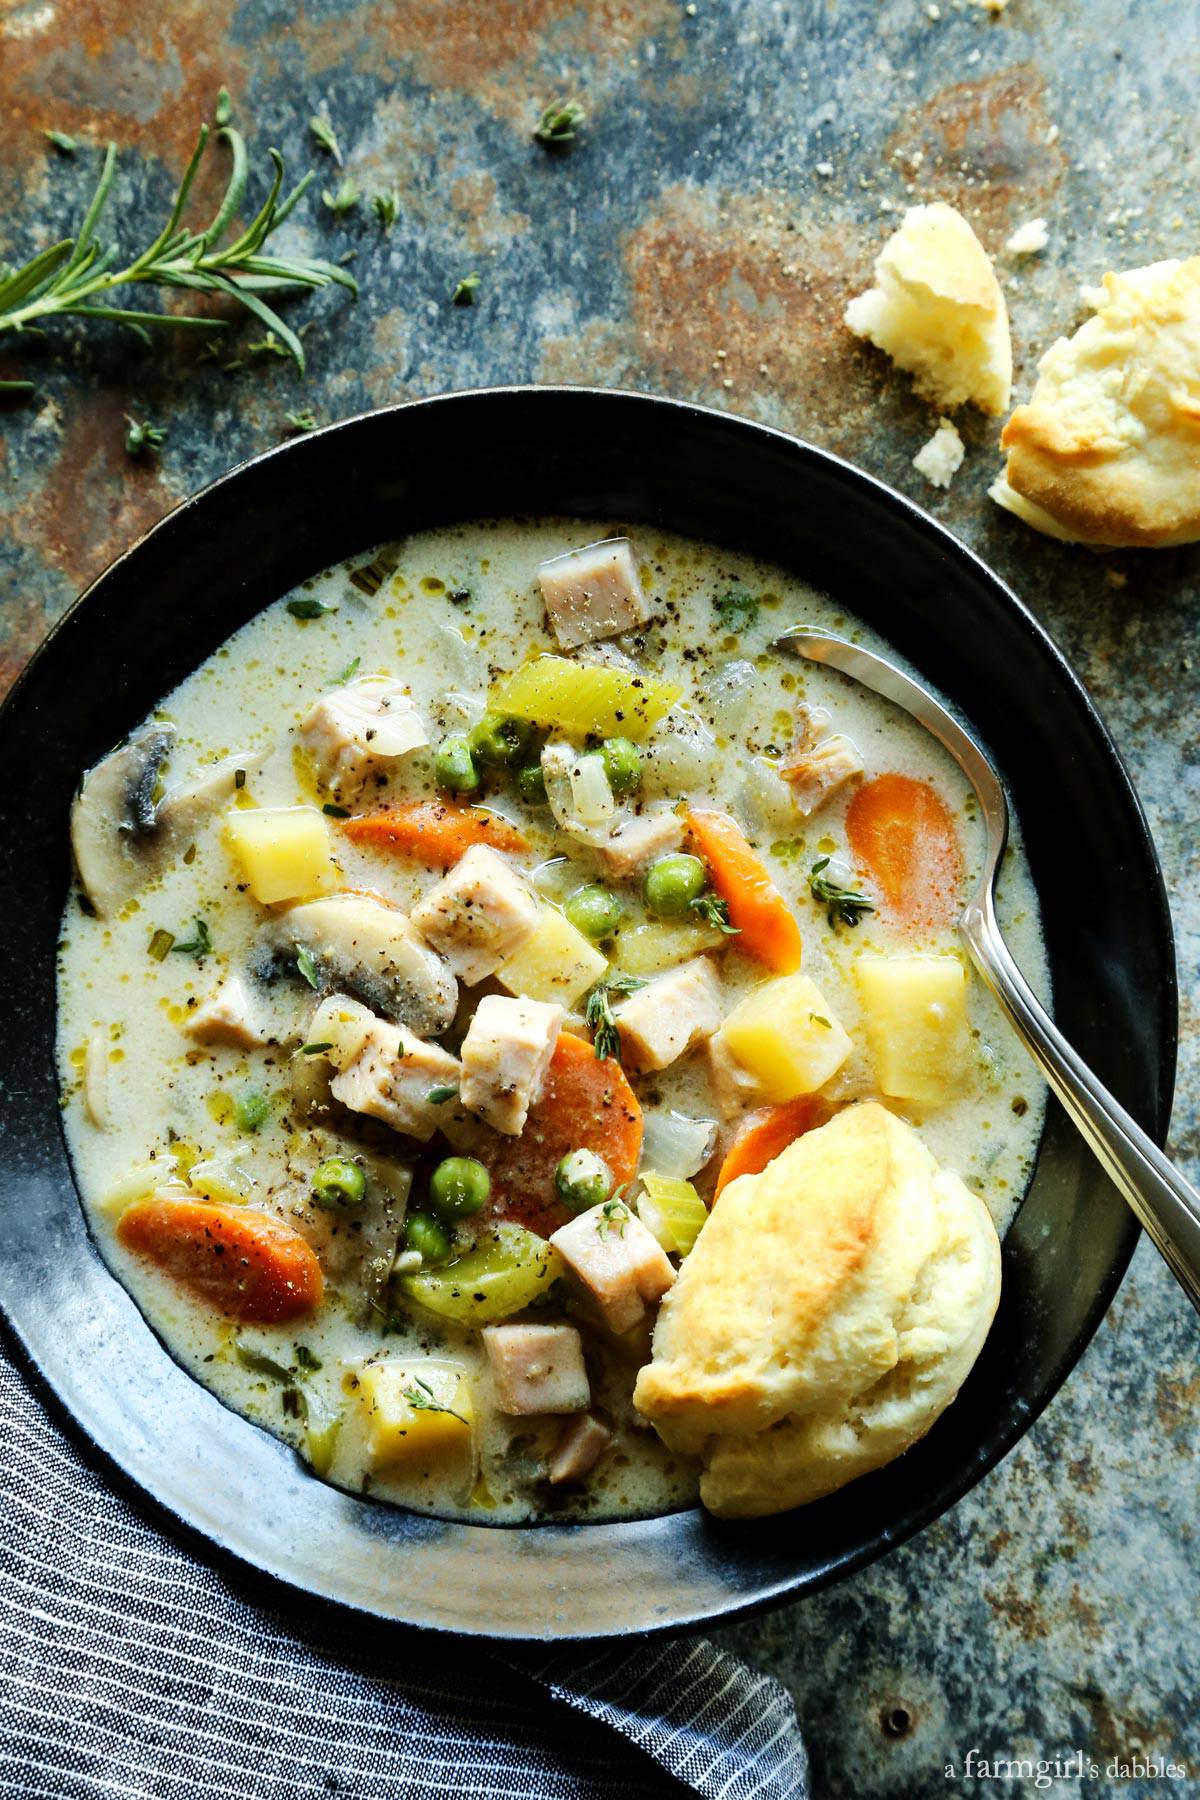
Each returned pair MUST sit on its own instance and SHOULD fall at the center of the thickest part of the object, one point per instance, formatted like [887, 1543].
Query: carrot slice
[585, 1104]
[763, 1134]
[243, 1263]
[902, 834]
[767, 925]
[433, 831]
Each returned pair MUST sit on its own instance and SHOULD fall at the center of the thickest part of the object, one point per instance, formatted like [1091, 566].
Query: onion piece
[673, 1144]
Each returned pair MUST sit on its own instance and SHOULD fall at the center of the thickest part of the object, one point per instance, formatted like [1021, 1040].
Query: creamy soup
[438, 946]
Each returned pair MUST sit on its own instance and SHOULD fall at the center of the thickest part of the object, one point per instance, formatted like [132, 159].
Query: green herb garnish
[310, 609]
[160, 943]
[306, 964]
[437, 1096]
[73, 276]
[843, 906]
[223, 110]
[61, 141]
[386, 208]
[559, 124]
[326, 138]
[341, 199]
[714, 911]
[304, 420]
[598, 1013]
[142, 437]
[820, 1019]
[350, 670]
[464, 293]
[198, 945]
[306, 1359]
[335, 812]
[258, 1364]
[737, 610]
[421, 1398]
[314, 1049]
[614, 1216]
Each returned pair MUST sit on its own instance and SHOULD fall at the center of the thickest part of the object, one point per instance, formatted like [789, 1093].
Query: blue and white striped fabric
[129, 1670]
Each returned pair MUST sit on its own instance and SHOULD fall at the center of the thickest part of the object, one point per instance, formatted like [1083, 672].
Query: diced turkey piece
[821, 771]
[228, 1017]
[537, 1368]
[505, 1055]
[391, 1076]
[579, 1449]
[619, 1263]
[372, 949]
[360, 730]
[633, 845]
[593, 593]
[734, 1087]
[662, 1021]
[478, 915]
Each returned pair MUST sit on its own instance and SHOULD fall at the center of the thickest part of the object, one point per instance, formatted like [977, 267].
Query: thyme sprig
[715, 912]
[421, 1398]
[560, 123]
[598, 1012]
[71, 277]
[843, 906]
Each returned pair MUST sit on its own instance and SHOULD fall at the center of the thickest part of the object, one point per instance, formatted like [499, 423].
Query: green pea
[426, 1235]
[582, 1179]
[502, 741]
[672, 883]
[250, 1109]
[531, 784]
[594, 911]
[454, 766]
[622, 764]
[338, 1182]
[459, 1186]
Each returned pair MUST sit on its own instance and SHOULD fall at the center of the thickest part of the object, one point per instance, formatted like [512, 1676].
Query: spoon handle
[1167, 1206]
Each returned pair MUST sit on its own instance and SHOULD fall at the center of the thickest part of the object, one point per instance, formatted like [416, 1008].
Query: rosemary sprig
[70, 277]
[843, 906]
[598, 1012]
[61, 141]
[386, 207]
[326, 138]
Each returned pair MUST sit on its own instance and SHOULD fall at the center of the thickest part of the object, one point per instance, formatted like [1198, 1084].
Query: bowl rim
[898, 508]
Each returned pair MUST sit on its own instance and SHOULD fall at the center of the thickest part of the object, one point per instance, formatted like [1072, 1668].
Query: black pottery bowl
[172, 599]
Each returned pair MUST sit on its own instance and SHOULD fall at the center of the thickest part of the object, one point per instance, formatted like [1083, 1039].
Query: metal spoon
[1163, 1201]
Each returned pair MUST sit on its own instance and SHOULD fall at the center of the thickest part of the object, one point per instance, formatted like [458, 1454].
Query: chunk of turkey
[593, 592]
[505, 1056]
[360, 730]
[478, 915]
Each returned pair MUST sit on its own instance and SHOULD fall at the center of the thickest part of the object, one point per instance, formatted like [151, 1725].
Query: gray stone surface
[691, 243]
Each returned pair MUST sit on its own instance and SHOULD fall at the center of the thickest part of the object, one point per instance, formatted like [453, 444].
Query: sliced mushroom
[367, 948]
[357, 1244]
[121, 839]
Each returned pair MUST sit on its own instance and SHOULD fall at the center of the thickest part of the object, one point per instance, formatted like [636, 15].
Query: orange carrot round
[585, 1104]
[763, 1134]
[905, 840]
[767, 925]
[433, 831]
[245, 1264]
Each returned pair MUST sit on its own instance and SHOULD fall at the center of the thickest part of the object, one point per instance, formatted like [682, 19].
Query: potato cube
[418, 1412]
[556, 964]
[283, 850]
[785, 1033]
[915, 1017]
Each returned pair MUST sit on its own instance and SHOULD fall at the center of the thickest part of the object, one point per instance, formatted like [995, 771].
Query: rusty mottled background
[741, 163]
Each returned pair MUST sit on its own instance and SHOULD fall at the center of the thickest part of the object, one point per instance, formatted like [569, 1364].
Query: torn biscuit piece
[942, 457]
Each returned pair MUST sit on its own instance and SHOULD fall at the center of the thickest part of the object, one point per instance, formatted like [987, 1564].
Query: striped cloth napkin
[129, 1669]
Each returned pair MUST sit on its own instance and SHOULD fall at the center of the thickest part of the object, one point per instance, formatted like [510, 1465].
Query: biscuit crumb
[1029, 239]
[942, 457]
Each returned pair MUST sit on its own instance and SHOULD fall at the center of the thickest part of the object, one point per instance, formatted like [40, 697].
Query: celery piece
[584, 699]
[506, 1271]
[679, 1207]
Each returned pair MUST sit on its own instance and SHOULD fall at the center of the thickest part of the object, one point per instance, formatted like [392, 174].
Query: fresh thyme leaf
[306, 1359]
[310, 609]
[820, 1019]
[341, 199]
[74, 276]
[304, 420]
[421, 1398]
[715, 911]
[350, 670]
[267, 346]
[843, 906]
[559, 124]
[314, 1049]
[598, 1013]
[386, 208]
[614, 1216]
[737, 610]
[143, 437]
[464, 293]
[223, 110]
[335, 812]
[437, 1096]
[307, 966]
[326, 138]
[61, 141]
[198, 945]
[159, 944]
